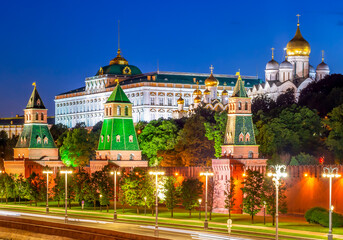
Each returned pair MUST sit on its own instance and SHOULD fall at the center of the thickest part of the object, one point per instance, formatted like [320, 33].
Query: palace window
[130, 138]
[239, 106]
[118, 138]
[126, 111]
[170, 101]
[106, 111]
[241, 137]
[37, 116]
[42, 116]
[247, 137]
[161, 102]
[118, 110]
[152, 101]
[186, 102]
[118, 156]
[131, 156]
[45, 140]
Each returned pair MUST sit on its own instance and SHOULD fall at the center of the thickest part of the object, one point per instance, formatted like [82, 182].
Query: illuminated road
[146, 230]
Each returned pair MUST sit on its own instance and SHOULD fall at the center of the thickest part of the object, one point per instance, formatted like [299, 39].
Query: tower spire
[118, 36]
[322, 55]
[298, 15]
[272, 53]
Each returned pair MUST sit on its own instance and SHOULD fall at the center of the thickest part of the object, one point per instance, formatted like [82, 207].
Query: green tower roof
[35, 100]
[239, 90]
[118, 95]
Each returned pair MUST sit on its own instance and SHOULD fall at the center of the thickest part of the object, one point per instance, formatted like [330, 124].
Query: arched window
[131, 156]
[108, 138]
[241, 137]
[118, 110]
[118, 156]
[126, 111]
[239, 106]
[102, 138]
[110, 111]
[118, 138]
[42, 116]
[247, 137]
[45, 140]
[130, 138]
[106, 111]
[246, 105]
[39, 140]
[250, 154]
[36, 115]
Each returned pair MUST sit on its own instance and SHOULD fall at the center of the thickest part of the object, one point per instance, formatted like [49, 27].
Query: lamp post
[156, 219]
[264, 212]
[47, 189]
[200, 200]
[206, 174]
[144, 206]
[280, 171]
[100, 202]
[330, 172]
[115, 173]
[66, 172]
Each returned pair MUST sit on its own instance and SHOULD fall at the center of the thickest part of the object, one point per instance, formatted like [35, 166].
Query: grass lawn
[181, 217]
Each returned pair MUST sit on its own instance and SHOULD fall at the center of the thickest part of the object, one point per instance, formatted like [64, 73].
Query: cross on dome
[272, 53]
[322, 55]
[298, 15]
[211, 68]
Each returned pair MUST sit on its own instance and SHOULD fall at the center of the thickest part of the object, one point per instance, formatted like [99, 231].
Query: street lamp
[115, 173]
[156, 220]
[47, 189]
[280, 171]
[100, 202]
[330, 172]
[144, 206]
[264, 212]
[206, 174]
[66, 172]
[200, 200]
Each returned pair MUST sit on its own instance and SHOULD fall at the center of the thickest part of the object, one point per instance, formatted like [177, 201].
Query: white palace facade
[154, 95]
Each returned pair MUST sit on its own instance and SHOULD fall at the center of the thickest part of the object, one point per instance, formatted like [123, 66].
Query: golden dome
[197, 99]
[197, 92]
[224, 93]
[207, 92]
[211, 81]
[119, 59]
[180, 100]
[298, 46]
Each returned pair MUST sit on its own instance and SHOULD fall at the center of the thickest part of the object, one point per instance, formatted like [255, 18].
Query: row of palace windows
[117, 138]
[29, 118]
[109, 111]
[240, 106]
[245, 138]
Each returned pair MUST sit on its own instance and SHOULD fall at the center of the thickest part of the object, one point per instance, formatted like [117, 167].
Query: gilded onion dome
[119, 59]
[211, 81]
[197, 99]
[298, 46]
[197, 92]
[207, 92]
[180, 100]
[225, 93]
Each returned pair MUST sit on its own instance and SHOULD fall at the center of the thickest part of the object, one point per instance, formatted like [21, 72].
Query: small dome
[180, 100]
[197, 99]
[298, 46]
[211, 81]
[272, 65]
[119, 59]
[312, 69]
[225, 93]
[197, 92]
[286, 65]
[207, 92]
[323, 66]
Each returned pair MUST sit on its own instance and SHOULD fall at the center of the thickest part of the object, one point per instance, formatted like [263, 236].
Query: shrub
[321, 216]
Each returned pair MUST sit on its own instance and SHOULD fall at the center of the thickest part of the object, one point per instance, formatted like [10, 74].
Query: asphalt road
[146, 230]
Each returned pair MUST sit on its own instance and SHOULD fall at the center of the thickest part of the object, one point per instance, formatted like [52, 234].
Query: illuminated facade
[294, 72]
[153, 95]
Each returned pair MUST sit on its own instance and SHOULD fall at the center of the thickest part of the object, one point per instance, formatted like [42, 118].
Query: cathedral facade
[294, 72]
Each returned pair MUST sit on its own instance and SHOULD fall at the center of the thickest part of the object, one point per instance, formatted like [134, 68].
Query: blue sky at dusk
[60, 43]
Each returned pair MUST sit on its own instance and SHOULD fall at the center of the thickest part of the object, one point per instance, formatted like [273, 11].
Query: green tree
[57, 188]
[158, 135]
[172, 193]
[229, 194]
[20, 186]
[191, 191]
[91, 193]
[252, 192]
[334, 124]
[79, 181]
[148, 187]
[216, 131]
[303, 159]
[35, 187]
[269, 196]
[78, 148]
[9, 185]
[104, 185]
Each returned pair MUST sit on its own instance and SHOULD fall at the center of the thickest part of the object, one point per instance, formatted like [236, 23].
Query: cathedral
[294, 72]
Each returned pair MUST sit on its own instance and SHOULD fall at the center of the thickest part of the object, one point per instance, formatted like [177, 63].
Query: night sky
[60, 43]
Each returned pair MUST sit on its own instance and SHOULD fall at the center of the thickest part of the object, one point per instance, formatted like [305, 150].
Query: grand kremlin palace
[154, 95]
